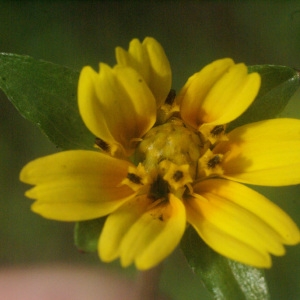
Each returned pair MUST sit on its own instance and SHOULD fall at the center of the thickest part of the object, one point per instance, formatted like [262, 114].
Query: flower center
[172, 156]
[174, 143]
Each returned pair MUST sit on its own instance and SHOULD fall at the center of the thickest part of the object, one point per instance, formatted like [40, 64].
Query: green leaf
[46, 94]
[87, 234]
[224, 278]
[278, 84]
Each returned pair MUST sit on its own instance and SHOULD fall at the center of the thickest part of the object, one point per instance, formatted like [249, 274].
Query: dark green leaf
[224, 278]
[46, 94]
[278, 84]
[87, 234]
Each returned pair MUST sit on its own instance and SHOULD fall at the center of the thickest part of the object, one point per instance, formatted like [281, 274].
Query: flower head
[165, 161]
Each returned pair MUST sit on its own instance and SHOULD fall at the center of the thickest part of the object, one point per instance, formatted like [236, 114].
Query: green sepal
[224, 278]
[87, 233]
[46, 94]
[278, 84]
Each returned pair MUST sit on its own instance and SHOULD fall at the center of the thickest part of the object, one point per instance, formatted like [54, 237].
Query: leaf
[87, 234]
[224, 278]
[46, 94]
[278, 84]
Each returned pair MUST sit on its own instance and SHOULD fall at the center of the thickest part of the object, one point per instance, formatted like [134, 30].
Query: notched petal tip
[148, 59]
[25, 175]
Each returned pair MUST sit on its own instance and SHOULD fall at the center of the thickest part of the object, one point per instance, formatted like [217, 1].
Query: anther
[134, 178]
[214, 161]
[171, 96]
[217, 130]
[101, 144]
[177, 175]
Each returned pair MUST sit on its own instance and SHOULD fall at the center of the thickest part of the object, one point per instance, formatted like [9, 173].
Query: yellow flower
[164, 162]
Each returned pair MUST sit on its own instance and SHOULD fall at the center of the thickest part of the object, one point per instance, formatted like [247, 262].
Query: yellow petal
[90, 107]
[218, 94]
[263, 153]
[117, 224]
[197, 87]
[136, 58]
[229, 246]
[76, 185]
[116, 105]
[154, 235]
[238, 222]
[233, 230]
[150, 60]
[255, 203]
[231, 95]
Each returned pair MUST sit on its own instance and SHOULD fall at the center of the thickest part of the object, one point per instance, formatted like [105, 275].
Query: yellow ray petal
[231, 95]
[263, 153]
[218, 94]
[228, 242]
[136, 57]
[117, 106]
[254, 203]
[194, 92]
[117, 224]
[229, 246]
[90, 107]
[237, 222]
[150, 60]
[76, 185]
[155, 235]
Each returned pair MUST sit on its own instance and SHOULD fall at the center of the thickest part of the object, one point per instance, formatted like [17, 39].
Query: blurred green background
[193, 34]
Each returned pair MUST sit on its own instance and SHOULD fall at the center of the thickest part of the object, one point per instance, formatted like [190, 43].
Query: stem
[148, 283]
